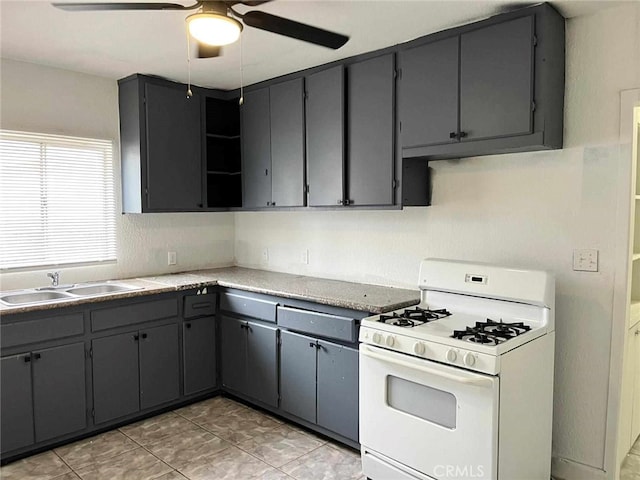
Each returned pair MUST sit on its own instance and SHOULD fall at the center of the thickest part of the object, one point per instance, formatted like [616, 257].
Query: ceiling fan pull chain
[241, 101]
[189, 92]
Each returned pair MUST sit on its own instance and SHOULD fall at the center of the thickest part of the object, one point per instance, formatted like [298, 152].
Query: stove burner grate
[491, 332]
[412, 317]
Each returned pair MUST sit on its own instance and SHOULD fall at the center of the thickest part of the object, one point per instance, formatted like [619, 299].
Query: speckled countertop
[356, 296]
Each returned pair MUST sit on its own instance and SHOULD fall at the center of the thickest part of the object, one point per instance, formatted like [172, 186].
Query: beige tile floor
[214, 439]
[631, 466]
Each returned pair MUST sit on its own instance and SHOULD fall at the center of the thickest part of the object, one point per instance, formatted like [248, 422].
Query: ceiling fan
[217, 23]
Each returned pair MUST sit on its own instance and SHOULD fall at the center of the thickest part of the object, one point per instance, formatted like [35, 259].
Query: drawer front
[248, 307]
[107, 318]
[199, 305]
[43, 329]
[321, 324]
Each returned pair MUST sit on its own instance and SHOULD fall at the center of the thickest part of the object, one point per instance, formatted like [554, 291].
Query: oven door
[441, 421]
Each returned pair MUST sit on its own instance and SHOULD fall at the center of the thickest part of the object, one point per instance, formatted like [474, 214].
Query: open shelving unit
[223, 165]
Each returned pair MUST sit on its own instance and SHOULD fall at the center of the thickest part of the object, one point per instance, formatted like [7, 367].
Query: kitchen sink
[99, 289]
[63, 292]
[32, 297]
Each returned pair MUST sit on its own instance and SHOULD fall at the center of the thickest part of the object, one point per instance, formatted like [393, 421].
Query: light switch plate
[585, 260]
[172, 258]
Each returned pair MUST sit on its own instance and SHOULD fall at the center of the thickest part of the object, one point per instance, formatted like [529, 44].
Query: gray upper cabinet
[325, 137]
[287, 143]
[496, 86]
[161, 144]
[256, 149]
[273, 146]
[370, 127]
[174, 157]
[428, 93]
[496, 80]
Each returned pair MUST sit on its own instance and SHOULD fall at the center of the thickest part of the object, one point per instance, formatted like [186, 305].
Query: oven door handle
[479, 381]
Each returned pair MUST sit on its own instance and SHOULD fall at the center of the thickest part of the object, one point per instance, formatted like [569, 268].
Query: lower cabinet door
[262, 363]
[116, 391]
[59, 392]
[338, 389]
[159, 365]
[298, 375]
[16, 405]
[233, 353]
[198, 343]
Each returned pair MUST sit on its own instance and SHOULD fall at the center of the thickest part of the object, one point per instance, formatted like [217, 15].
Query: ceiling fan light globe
[214, 29]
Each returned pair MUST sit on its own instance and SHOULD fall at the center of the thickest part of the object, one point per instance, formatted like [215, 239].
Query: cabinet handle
[340, 202]
[453, 135]
[37, 356]
[273, 204]
[311, 344]
[200, 205]
[462, 134]
[144, 335]
[27, 358]
[136, 337]
[187, 325]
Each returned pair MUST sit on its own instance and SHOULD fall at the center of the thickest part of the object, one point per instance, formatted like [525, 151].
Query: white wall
[49, 100]
[529, 210]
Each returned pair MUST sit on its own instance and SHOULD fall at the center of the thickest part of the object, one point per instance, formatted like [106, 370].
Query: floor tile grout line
[63, 461]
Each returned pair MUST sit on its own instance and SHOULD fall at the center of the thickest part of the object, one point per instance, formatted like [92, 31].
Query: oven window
[422, 401]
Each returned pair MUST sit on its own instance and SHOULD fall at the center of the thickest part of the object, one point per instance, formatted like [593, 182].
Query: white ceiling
[117, 44]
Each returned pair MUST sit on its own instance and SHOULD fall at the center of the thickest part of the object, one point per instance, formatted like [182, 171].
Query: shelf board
[636, 256]
[217, 172]
[223, 137]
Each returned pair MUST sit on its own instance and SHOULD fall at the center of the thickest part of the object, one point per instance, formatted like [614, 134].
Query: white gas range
[461, 385]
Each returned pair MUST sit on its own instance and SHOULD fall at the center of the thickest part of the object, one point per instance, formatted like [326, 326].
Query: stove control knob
[377, 338]
[452, 355]
[390, 341]
[418, 348]
[469, 359]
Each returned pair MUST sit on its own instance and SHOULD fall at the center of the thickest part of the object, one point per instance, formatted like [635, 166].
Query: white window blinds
[56, 200]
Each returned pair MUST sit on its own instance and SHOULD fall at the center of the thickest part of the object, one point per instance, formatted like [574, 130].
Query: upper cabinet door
[256, 149]
[174, 159]
[428, 93]
[287, 143]
[496, 80]
[370, 109]
[325, 137]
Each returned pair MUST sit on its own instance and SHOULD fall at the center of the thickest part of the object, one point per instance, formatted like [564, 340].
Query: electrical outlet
[304, 256]
[172, 258]
[585, 260]
[265, 256]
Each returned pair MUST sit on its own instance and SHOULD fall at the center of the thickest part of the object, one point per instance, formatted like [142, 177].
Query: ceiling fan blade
[290, 28]
[208, 51]
[87, 7]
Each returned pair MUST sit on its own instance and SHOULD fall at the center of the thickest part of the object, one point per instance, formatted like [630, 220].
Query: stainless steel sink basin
[63, 292]
[99, 289]
[32, 297]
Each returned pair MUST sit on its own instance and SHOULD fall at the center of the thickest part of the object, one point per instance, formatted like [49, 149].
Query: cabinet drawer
[42, 329]
[249, 307]
[131, 314]
[199, 305]
[321, 324]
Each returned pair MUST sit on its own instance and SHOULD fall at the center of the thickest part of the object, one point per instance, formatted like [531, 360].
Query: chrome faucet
[55, 277]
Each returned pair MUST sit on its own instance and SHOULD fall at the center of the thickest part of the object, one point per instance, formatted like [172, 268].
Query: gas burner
[491, 332]
[412, 317]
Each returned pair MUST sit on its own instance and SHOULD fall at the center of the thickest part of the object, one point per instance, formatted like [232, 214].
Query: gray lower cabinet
[319, 382]
[249, 359]
[338, 368]
[135, 370]
[43, 395]
[199, 354]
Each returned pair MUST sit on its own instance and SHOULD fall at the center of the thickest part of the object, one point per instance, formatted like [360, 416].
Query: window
[56, 200]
